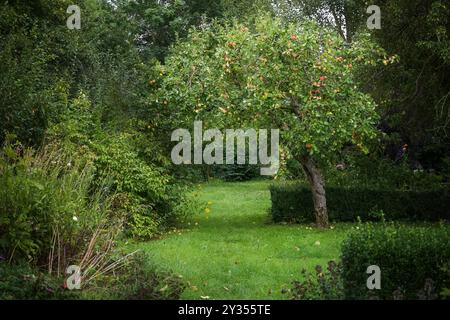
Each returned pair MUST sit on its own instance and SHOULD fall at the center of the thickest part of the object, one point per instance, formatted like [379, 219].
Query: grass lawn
[234, 252]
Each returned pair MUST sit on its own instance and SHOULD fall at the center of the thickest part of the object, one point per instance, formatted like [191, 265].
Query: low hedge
[293, 203]
[411, 260]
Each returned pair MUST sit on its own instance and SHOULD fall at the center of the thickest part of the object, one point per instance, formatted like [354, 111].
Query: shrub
[148, 197]
[24, 282]
[236, 172]
[151, 197]
[292, 202]
[446, 290]
[410, 259]
[323, 284]
[49, 212]
[27, 202]
[135, 279]
[371, 172]
[139, 223]
[143, 281]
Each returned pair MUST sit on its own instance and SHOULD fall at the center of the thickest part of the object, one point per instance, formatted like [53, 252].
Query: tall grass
[53, 215]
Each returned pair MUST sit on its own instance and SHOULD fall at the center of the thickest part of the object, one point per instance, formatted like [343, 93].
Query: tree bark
[317, 184]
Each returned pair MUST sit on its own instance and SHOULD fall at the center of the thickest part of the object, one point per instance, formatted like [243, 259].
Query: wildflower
[75, 218]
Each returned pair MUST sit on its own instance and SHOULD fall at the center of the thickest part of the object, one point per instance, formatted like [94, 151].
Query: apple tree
[299, 78]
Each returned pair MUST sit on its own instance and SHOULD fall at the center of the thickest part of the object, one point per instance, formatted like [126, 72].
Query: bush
[23, 282]
[292, 202]
[148, 196]
[151, 198]
[135, 279]
[410, 258]
[446, 290]
[323, 285]
[49, 211]
[237, 172]
[28, 203]
[139, 279]
[371, 172]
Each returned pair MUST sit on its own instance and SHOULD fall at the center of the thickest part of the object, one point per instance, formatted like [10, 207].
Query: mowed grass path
[234, 252]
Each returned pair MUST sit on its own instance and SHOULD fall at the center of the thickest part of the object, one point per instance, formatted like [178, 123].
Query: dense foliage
[413, 93]
[323, 284]
[411, 260]
[48, 202]
[291, 202]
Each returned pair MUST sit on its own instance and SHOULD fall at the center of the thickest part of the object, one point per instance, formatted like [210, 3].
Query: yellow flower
[207, 210]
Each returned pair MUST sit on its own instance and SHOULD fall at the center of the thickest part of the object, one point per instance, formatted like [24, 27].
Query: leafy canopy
[299, 78]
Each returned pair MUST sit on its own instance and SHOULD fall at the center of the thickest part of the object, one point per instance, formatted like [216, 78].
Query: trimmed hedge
[293, 203]
[407, 256]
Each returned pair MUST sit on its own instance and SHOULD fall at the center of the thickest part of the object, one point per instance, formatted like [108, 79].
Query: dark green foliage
[158, 25]
[29, 95]
[322, 285]
[410, 259]
[44, 65]
[140, 280]
[136, 280]
[373, 172]
[44, 195]
[292, 202]
[445, 293]
[236, 172]
[23, 282]
[25, 206]
[150, 196]
[413, 93]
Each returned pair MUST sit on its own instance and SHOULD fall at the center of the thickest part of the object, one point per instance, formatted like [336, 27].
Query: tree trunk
[317, 184]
